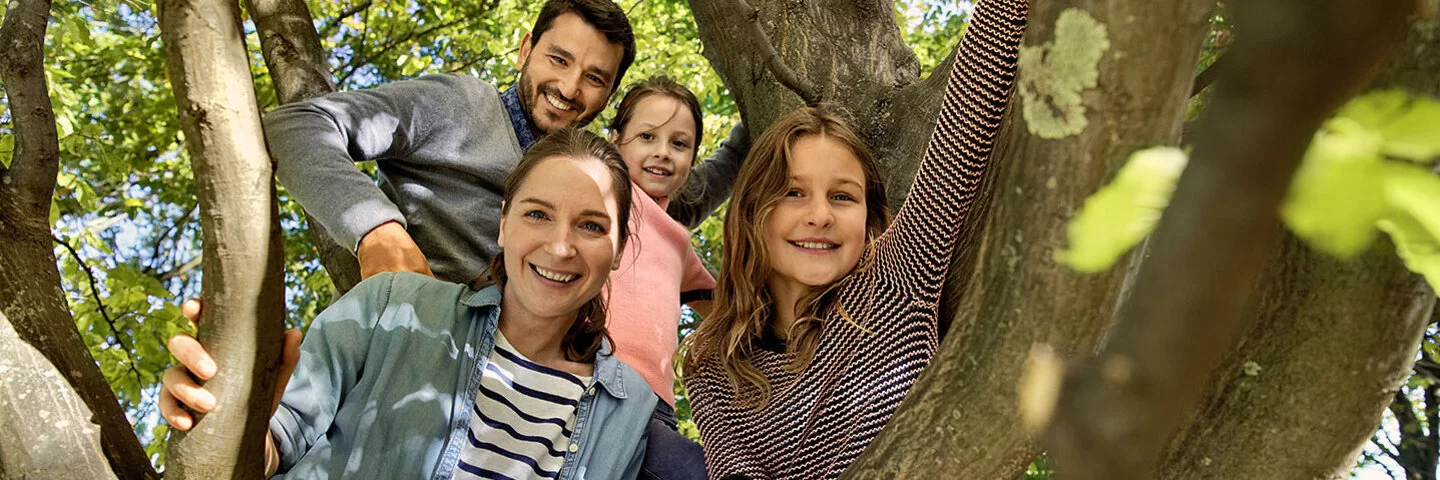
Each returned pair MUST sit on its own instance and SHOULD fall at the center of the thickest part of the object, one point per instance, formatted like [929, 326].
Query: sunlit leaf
[1117, 217]
[1409, 125]
[1335, 197]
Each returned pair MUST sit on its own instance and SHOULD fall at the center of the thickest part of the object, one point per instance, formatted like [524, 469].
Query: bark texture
[1017, 295]
[1328, 336]
[243, 270]
[30, 290]
[47, 427]
[849, 53]
[299, 67]
[1295, 62]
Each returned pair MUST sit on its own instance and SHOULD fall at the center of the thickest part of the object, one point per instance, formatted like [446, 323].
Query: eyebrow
[570, 57]
[583, 213]
[842, 181]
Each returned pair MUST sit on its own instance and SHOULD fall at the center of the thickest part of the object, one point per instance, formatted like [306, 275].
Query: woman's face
[816, 234]
[559, 237]
[659, 145]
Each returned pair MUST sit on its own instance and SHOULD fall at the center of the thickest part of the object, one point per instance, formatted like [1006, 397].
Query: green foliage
[1122, 213]
[1363, 173]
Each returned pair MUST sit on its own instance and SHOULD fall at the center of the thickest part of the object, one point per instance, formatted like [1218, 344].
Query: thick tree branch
[1296, 61]
[760, 41]
[29, 282]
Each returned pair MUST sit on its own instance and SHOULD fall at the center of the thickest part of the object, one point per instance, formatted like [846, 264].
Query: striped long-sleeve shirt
[819, 420]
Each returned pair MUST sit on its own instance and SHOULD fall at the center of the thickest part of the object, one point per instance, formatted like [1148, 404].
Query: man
[444, 144]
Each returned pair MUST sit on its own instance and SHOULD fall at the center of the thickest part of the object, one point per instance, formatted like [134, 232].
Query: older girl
[407, 376]
[824, 318]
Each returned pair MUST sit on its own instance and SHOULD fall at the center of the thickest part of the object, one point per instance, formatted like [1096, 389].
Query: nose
[561, 246]
[818, 213]
[569, 84]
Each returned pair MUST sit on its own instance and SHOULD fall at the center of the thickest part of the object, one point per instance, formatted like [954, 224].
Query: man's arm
[317, 143]
[710, 183]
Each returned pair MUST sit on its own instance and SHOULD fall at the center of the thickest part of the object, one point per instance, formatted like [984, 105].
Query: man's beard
[528, 98]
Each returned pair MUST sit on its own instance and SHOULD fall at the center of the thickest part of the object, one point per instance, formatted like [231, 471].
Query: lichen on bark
[1053, 75]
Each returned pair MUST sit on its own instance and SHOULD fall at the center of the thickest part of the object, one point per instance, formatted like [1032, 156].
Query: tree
[1099, 79]
[210, 71]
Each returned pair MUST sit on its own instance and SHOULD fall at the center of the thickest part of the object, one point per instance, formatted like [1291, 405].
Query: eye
[795, 193]
[536, 215]
[595, 79]
[843, 197]
[646, 136]
[593, 227]
[681, 144]
[558, 60]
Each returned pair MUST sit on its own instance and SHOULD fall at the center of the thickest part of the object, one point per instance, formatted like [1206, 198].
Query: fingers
[176, 416]
[193, 356]
[178, 391]
[191, 309]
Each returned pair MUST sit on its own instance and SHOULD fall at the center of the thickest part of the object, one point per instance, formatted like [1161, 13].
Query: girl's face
[816, 233]
[559, 237]
[659, 145]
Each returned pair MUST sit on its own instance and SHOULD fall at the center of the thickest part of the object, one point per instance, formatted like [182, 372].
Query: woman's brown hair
[741, 320]
[586, 334]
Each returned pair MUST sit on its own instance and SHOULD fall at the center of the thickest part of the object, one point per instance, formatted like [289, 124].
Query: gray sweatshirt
[443, 145]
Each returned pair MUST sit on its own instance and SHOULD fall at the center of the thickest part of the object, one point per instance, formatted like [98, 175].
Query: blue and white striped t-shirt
[523, 417]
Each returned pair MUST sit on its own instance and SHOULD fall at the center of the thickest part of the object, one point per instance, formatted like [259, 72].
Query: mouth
[557, 103]
[818, 245]
[554, 276]
[659, 172]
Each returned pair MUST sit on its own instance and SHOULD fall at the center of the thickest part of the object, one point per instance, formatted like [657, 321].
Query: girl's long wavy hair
[744, 307]
[588, 331]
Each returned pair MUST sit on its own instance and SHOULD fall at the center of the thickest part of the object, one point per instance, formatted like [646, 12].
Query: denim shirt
[387, 381]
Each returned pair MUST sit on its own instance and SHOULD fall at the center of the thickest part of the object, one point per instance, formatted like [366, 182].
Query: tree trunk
[47, 426]
[32, 297]
[1295, 62]
[845, 52]
[244, 271]
[964, 407]
[1328, 336]
[300, 70]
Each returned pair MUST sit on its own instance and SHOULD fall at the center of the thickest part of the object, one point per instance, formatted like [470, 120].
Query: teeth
[556, 276]
[556, 103]
[816, 245]
[658, 171]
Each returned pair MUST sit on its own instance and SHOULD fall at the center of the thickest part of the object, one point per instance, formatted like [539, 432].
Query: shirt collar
[523, 133]
[607, 368]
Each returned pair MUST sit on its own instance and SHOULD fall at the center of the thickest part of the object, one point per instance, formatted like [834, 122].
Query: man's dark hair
[604, 15]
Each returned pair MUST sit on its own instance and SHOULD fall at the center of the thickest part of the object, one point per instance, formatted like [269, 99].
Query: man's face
[566, 78]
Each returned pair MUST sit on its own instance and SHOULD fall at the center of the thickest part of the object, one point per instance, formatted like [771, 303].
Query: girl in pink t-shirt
[658, 128]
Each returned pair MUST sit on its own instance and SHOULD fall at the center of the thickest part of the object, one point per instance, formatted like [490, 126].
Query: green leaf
[7, 148]
[1409, 125]
[1122, 213]
[1414, 221]
[1335, 197]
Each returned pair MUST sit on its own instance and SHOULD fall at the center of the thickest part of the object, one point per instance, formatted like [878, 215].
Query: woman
[824, 318]
[407, 376]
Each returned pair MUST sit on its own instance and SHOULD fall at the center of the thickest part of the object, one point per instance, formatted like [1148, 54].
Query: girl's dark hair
[585, 335]
[656, 85]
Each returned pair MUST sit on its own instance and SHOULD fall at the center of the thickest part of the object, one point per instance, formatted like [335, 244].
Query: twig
[104, 312]
[783, 73]
[329, 27]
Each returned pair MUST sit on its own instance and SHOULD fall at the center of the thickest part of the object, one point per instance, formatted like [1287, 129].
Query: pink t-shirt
[658, 265]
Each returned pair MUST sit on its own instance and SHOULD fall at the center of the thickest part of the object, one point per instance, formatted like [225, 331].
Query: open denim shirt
[387, 381]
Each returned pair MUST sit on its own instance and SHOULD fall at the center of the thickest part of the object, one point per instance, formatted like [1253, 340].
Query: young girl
[407, 376]
[824, 318]
[657, 128]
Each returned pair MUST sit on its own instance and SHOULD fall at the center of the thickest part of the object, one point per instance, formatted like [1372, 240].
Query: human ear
[524, 51]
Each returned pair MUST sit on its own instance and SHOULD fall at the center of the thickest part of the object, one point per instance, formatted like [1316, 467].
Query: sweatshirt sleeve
[316, 144]
[917, 248]
[332, 356]
[710, 183]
